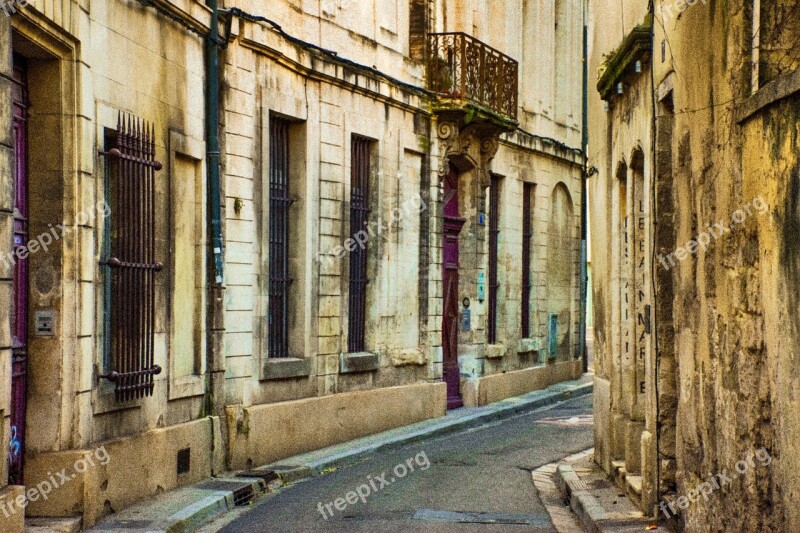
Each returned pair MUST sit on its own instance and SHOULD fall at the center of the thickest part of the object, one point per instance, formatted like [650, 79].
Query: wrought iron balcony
[463, 70]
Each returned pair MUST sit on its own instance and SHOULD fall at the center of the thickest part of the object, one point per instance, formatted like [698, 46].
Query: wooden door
[452, 227]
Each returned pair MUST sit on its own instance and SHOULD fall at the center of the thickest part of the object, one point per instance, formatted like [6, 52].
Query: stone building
[622, 241]
[386, 235]
[709, 100]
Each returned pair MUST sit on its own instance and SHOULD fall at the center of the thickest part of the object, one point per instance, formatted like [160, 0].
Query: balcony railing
[461, 67]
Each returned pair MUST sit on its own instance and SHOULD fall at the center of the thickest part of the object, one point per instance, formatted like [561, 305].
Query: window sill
[351, 363]
[287, 368]
[767, 95]
[495, 351]
[528, 345]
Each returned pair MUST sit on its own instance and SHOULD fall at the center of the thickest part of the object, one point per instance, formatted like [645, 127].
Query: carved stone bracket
[467, 146]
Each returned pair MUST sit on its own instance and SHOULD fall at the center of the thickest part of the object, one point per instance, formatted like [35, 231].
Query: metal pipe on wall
[584, 211]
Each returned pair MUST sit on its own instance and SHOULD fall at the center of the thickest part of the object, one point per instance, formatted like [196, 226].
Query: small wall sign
[466, 320]
[481, 286]
[45, 320]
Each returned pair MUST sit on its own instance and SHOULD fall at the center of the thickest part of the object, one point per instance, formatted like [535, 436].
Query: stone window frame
[299, 363]
[181, 145]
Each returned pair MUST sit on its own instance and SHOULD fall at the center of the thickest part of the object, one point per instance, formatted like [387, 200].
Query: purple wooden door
[19, 314]
[452, 227]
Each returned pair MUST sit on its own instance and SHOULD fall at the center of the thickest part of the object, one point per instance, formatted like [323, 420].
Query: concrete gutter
[186, 509]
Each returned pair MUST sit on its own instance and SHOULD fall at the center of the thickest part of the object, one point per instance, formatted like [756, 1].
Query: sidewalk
[597, 505]
[186, 509]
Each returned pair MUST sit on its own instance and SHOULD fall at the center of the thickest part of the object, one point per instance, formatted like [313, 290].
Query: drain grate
[243, 496]
[243, 492]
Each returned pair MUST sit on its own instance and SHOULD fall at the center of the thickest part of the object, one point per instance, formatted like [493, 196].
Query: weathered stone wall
[728, 405]
[725, 224]
[86, 62]
[622, 135]
[7, 493]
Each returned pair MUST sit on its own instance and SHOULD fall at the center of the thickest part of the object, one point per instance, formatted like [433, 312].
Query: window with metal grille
[527, 238]
[130, 263]
[359, 213]
[279, 232]
[494, 233]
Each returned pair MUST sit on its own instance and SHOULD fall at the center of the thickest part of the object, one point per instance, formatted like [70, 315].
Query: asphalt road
[475, 481]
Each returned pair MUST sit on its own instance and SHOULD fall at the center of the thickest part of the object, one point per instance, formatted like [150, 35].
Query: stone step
[619, 473]
[70, 524]
[634, 489]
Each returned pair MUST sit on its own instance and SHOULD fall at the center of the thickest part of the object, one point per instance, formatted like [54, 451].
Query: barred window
[359, 213]
[494, 233]
[129, 260]
[527, 238]
[279, 235]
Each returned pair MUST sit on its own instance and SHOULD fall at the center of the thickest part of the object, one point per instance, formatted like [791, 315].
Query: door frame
[20, 298]
[452, 225]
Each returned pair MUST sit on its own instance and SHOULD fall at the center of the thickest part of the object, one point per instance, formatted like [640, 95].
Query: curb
[585, 506]
[302, 468]
[219, 496]
[209, 508]
[189, 509]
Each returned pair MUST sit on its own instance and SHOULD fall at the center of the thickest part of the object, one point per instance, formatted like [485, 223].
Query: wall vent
[184, 461]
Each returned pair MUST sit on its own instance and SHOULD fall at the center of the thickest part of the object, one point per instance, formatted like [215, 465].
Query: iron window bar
[280, 280]
[359, 218]
[132, 265]
[494, 232]
[527, 237]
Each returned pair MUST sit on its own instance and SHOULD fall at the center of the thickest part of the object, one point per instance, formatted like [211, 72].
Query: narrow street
[477, 480]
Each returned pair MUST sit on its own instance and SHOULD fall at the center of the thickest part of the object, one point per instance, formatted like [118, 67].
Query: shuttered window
[279, 232]
[359, 213]
[130, 260]
[527, 238]
[494, 233]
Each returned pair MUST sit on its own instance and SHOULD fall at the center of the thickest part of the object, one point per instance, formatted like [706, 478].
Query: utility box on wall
[552, 335]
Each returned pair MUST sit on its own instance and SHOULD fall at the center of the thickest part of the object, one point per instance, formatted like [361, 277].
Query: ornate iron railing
[462, 67]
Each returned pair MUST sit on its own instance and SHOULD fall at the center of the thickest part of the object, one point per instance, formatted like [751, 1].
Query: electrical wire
[179, 20]
[552, 141]
[237, 12]
[331, 54]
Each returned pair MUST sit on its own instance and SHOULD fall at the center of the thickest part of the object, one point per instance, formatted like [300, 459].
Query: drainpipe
[584, 211]
[212, 138]
[214, 311]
